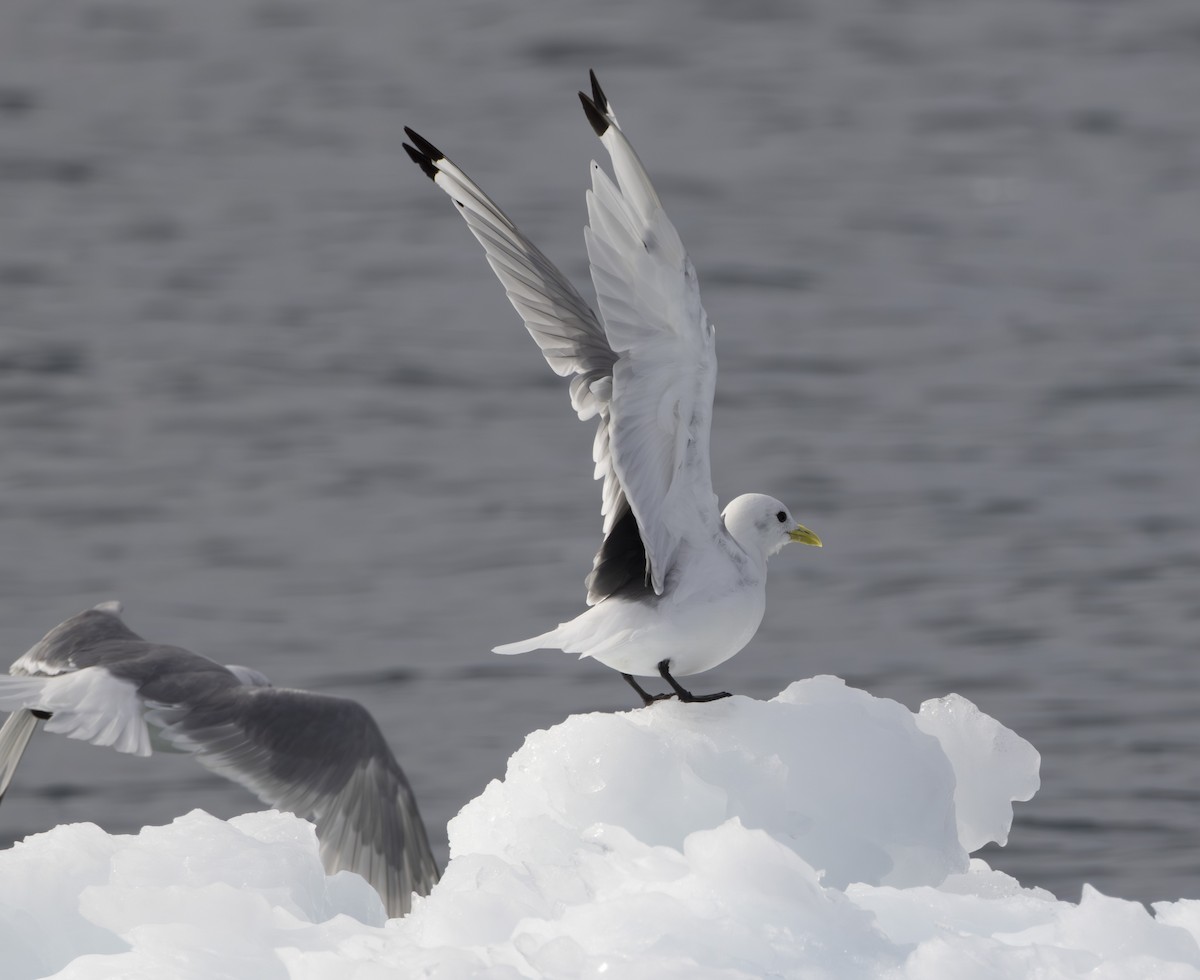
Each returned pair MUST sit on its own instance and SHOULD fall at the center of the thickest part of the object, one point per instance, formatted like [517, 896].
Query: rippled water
[257, 381]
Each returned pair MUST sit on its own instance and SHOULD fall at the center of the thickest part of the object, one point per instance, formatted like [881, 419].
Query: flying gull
[677, 586]
[321, 757]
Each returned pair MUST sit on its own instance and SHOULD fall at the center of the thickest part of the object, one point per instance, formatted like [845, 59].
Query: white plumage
[677, 587]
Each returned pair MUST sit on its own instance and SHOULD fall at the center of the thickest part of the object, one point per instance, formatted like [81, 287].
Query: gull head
[762, 525]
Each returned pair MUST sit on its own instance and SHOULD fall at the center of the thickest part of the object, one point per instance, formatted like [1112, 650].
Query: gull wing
[85, 632]
[571, 339]
[665, 373]
[89, 704]
[15, 734]
[648, 372]
[556, 316]
[320, 757]
[92, 705]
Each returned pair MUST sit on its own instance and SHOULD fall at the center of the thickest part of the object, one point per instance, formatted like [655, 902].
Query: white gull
[678, 586]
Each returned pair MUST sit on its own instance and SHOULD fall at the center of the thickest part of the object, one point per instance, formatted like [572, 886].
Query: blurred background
[257, 381]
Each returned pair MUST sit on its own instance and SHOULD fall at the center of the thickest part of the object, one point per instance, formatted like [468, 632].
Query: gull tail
[544, 641]
[14, 737]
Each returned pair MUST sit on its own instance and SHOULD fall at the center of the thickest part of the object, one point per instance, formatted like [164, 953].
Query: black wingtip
[422, 161]
[594, 115]
[598, 95]
[424, 145]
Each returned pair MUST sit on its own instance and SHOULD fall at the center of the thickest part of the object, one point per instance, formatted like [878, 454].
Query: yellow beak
[803, 535]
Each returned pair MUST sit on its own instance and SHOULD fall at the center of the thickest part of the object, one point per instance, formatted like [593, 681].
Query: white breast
[694, 633]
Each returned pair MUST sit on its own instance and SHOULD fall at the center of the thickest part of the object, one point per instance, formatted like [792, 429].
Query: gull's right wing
[648, 372]
[571, 339]
[556, 316]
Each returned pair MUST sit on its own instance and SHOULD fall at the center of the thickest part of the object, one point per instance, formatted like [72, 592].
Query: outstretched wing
[665, 373]
[321, 757]
[648, 373]
[569, 335]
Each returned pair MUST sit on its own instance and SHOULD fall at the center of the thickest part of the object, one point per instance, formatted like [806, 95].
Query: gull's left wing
[320, 757]
[665, 374]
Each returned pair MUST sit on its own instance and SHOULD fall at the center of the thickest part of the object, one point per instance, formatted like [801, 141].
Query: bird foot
[647, 698]
[686, 696]
[677, 689]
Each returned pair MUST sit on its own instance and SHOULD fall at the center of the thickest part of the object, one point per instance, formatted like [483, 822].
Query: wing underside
[647, 372]
[321, 757]
[318, 756]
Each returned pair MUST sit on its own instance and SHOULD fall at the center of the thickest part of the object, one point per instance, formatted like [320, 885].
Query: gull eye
[781, 516]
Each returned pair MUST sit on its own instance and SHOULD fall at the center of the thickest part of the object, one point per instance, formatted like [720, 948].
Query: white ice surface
[822, 835]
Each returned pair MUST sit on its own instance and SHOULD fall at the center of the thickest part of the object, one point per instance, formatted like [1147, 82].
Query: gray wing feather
[569, 333]
[565, 328]
[320, 757]
[59, 650]
[648, 370]
[18, 728]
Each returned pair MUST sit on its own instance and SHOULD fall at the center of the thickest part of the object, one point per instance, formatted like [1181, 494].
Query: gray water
[257, 381]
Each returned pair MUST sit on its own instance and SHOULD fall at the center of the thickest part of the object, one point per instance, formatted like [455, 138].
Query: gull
[320, 757]
[678, 586]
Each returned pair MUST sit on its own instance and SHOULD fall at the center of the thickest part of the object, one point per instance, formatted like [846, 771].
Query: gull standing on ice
[677, 586]
[321, 757]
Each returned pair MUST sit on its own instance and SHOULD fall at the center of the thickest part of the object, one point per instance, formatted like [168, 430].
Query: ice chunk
[992, 767]
[821, 834]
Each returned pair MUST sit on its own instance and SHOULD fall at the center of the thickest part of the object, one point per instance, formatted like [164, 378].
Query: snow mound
[823, 834]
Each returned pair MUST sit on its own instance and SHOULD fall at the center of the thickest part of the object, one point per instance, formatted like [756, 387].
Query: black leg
[646, 696]
[684, 694]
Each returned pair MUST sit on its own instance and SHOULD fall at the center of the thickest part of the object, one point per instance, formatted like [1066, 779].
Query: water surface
[257, 381]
